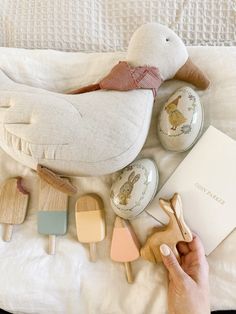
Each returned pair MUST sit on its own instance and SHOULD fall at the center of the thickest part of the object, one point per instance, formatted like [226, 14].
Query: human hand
[188, 281]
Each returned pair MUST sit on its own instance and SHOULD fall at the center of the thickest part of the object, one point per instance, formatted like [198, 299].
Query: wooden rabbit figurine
[127, 188]
[173, 233]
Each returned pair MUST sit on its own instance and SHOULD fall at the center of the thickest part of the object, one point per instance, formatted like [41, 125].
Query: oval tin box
[180, 120]
[134, 189]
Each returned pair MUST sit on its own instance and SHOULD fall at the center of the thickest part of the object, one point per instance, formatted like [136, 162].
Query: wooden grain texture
[51, 199]
[55, 180]
[89, 202]
[7, 234]
[51, 244]
[129, 273]
[120, 222]
[176, 231]
[90, 221]
[92, 252]
[13, 203]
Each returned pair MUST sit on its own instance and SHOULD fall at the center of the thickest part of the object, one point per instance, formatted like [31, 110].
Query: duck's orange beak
[190, 73]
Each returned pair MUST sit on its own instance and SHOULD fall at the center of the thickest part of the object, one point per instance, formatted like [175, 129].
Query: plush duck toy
[102, 129]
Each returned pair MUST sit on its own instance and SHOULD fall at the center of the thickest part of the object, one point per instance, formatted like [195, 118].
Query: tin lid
[134, 189]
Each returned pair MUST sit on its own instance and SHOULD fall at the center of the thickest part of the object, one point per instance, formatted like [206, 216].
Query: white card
[206, 181]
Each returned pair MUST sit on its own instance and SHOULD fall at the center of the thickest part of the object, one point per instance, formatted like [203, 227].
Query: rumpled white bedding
[107, 25]
[33, 282]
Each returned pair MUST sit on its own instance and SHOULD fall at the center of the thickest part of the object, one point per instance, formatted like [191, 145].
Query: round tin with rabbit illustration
[180, 121]
[134, 188]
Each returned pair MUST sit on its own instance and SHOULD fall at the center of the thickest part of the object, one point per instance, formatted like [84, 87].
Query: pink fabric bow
[123, 77]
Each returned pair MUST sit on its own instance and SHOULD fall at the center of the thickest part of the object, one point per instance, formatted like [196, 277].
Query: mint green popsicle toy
[52, 214]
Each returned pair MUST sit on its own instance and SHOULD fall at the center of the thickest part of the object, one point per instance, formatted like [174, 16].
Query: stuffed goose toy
[103, 127]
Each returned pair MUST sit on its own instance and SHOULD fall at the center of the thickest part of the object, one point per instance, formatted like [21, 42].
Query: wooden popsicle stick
[7, 232]
[92, 252]
[52, 244]
[129, 274]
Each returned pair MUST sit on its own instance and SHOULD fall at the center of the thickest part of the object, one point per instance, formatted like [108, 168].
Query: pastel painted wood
[174, 232]
[124, 246]
[90, 221]
[13, 205]
[52, 213]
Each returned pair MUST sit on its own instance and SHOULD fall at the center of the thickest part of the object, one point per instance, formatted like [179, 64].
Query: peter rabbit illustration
[176, 118]
[174, 232]
[127, 187]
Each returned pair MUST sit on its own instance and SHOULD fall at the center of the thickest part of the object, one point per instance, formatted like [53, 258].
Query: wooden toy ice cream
[90, 221]
[124, 246]
[52, 214]
[13, 205]
[174, 232]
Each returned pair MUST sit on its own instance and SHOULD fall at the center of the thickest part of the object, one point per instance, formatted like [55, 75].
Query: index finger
[196, 245]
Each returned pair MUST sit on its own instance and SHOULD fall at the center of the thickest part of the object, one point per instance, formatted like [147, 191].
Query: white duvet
[33, 282]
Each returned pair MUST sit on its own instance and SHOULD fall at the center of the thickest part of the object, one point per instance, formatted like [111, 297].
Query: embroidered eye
[167, 39]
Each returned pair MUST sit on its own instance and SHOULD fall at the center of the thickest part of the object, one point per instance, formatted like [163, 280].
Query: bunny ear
[136, 178]
[177, 204]
[131, 176]
[166, 205]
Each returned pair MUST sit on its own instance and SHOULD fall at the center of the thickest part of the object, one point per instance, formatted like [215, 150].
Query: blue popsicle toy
[52, 213]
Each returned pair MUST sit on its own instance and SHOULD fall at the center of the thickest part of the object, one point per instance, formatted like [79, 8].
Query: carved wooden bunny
[127, 187]
[173, 233]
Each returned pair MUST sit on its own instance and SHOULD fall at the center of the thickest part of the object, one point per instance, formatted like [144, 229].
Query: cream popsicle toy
[52, 214]
[90, 221]
[124, 246]
[13, 205]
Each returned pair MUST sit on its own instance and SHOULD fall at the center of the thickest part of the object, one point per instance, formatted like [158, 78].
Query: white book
[206, 181]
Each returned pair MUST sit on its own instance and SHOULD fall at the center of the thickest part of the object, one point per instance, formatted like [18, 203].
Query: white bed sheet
[33, 282]
[107, 25]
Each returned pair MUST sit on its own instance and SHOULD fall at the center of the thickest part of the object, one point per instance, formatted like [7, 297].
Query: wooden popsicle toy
[90, 221]
[124, 246]
[13, 205]
[52, 214]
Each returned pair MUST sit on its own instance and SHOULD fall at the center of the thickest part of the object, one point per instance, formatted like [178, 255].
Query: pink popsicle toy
[124, 246]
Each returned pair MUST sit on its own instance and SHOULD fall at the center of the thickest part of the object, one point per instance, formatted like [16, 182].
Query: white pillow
[87, 134]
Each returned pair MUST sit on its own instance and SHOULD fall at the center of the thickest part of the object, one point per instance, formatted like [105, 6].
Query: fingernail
[165, 250]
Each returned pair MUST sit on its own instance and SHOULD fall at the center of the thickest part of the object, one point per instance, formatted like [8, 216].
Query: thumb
[172, 265]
